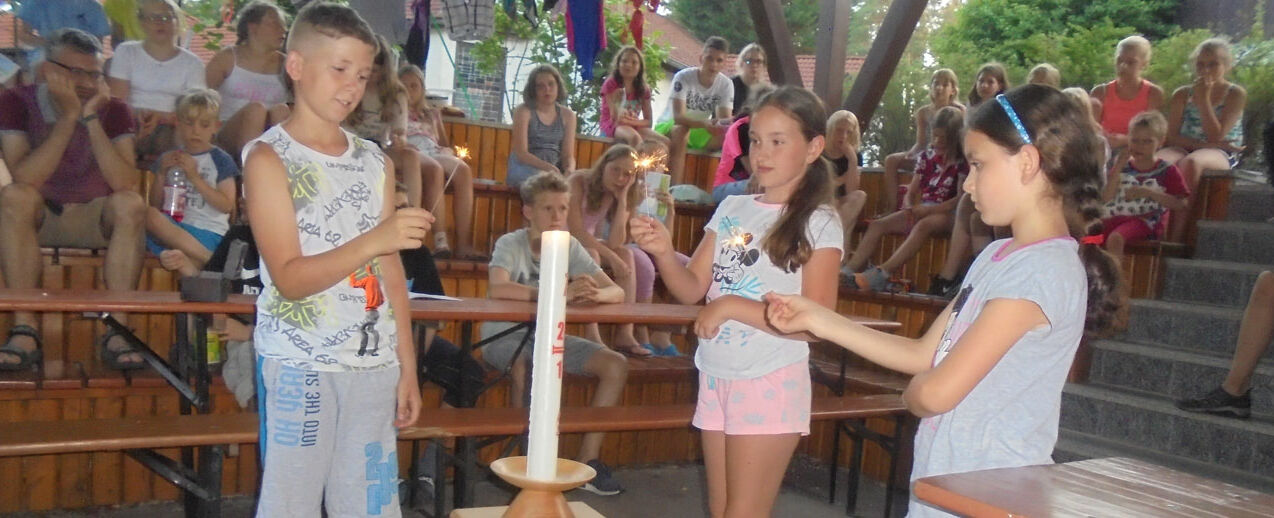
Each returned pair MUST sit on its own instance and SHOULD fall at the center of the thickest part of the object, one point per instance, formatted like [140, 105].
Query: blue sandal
[26, 359]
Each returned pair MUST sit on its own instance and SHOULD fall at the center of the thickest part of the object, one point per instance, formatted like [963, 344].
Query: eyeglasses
[754, 61]
[156, 18]
[79, 72]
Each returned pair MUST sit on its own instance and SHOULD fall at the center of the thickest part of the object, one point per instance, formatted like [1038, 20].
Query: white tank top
[243, 86]
[348, 326]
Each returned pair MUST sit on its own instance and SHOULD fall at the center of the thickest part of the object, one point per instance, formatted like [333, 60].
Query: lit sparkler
[463, 154]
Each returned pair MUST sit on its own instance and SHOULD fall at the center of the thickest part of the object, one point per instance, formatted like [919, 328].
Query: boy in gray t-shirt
[514, 274]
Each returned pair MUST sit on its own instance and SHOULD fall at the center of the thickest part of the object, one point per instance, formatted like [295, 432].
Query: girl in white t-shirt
[151, 73]
[754, 383]
[989, 375]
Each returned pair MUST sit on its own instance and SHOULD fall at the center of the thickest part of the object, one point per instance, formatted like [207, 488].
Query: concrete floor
[664, 491]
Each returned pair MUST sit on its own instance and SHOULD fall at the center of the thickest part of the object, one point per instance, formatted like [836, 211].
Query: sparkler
[463, 154]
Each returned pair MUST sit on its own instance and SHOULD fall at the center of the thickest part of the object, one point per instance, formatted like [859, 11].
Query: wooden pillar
[773, 35]
[882, 59]
[829, 54]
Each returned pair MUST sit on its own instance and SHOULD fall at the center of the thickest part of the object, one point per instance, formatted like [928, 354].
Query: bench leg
[210, 462]
[855, 468]
[894, 447]
[831, 485]
[465, 472]
[202, 487]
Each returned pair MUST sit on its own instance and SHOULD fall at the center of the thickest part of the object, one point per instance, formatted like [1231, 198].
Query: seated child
[698, 112]
[843, 141]
[515, 275]
[184, 246]
[940, 173]
[944, 89]
[1141, 189]
[602, 199]
[625, 110]
[734, 170]
[425, 133]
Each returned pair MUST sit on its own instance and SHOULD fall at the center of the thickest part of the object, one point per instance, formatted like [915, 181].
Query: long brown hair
[639, 82]
[1071, 157]
[596, 186]
[788, 242]
[389, 89]
[995, 70]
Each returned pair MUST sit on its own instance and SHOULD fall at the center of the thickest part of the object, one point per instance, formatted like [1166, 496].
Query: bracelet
[88, 118]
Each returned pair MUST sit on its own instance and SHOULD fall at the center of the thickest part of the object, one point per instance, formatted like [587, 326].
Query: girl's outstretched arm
[794, 314]
[689, 283]
[1000, 324]
[821, 266]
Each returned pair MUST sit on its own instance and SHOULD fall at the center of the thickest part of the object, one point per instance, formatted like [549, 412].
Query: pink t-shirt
[632, 105]
[731, 150]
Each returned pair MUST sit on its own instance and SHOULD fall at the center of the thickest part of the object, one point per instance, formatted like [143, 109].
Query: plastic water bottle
[175, 194]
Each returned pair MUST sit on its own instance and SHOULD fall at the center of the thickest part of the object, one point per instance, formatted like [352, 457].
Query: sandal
[634, 350]
[111, 356]
[26, 359]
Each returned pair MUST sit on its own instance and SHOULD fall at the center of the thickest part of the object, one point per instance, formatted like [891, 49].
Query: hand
[404, 229]
[616, 264]
[408, 398]
[650, 235]
[147, 121]
[794, 313]
[1137, 192]
[665, 197]
[1203, 92]
[710, 318]
[102, 94]
[62, 90]
[582, 290]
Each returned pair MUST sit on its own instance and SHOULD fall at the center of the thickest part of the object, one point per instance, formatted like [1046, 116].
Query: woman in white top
[249, 77]
[151, 73]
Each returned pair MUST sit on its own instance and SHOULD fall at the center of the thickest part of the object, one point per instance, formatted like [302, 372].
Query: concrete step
[1153, 423]
[1172, 373]
[1210, 282]
[1251, 202]
[1073, 446]
[1235, 241]
[1192, 327]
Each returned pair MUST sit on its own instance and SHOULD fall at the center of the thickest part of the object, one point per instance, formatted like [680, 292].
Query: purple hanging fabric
[417, 48]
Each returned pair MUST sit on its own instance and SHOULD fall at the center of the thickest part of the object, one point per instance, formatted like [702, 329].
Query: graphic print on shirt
[951, 334]
[733, 256]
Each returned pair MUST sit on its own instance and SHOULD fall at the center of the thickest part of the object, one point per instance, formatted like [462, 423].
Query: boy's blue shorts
[207, 238]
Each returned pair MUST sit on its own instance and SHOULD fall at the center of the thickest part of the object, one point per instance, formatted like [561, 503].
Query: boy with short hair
[699, 111]
[334, 381]
[515, 275]
[1140, 188]
[185, 245]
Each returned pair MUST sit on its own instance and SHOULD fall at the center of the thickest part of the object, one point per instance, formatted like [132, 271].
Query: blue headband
[1017, 123]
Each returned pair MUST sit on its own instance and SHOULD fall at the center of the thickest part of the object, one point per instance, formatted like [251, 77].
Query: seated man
[69, 147]
[698, 112]
[515, 275]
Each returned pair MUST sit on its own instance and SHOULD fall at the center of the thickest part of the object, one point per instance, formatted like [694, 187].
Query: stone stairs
[1180, 346]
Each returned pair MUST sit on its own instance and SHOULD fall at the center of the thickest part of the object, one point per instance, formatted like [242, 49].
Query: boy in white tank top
[333, 382]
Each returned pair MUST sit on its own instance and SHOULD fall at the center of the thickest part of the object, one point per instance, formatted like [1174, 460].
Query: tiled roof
[804, 63]
[683, 47]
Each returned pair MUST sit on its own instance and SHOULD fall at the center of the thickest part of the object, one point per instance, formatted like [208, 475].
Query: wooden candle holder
[539, 498]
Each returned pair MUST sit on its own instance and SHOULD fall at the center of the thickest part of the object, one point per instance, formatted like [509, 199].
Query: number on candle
[561, 331]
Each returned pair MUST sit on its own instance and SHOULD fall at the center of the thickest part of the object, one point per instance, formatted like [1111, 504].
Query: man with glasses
[69, 148]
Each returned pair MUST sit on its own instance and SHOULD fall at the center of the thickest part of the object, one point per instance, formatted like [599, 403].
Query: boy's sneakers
[603, 484]
[943, 287]
[1219, 402]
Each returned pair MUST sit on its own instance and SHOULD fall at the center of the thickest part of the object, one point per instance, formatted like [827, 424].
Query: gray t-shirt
[513, 253]
[1010, 418]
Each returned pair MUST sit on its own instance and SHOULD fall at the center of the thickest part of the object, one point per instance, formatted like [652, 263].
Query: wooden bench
[139, 436]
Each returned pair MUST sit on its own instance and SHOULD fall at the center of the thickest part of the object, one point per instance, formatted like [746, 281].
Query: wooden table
[1097, 487]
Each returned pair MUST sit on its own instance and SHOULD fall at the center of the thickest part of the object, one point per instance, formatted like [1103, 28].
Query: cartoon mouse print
[733, 257]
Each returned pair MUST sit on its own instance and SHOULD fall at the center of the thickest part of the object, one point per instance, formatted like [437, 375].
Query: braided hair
[1071, 156]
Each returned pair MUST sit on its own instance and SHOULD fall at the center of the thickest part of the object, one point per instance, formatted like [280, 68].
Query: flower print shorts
[776, 403]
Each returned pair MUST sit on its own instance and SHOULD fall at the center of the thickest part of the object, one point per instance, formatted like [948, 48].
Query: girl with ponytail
[754, 382]
[988, 378]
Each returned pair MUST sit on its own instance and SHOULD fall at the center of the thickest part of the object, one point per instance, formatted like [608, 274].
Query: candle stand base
[540, 498]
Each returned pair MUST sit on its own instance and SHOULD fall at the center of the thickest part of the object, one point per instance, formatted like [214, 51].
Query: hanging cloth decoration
[585, 33]
[528, 11]
[636, 26]
[417, 48]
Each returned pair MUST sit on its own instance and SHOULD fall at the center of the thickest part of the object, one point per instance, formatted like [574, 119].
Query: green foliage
[1076, 36]
[731, 20]
[546, 43]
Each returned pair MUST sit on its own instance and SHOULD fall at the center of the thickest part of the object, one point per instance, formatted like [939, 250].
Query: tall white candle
[546, 370]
